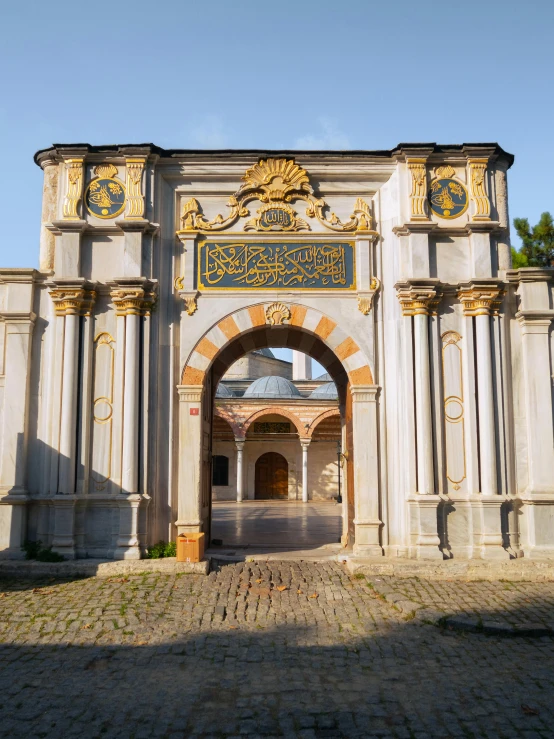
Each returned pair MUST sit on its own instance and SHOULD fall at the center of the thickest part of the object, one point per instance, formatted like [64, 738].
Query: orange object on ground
[190, 547]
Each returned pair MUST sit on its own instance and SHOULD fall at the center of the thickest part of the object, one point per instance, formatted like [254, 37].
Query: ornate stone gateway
[159, 269]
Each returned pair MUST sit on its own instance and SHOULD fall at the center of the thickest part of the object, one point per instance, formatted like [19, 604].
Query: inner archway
[307, 330]
[271, 477]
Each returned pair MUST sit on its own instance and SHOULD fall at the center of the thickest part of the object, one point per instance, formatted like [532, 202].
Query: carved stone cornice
[416, 227]
[481, 298]
[530, 274]
[419, 297]
[133, 296]
[73, 297]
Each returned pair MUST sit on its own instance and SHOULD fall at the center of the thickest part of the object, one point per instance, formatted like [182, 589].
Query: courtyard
[270, 649]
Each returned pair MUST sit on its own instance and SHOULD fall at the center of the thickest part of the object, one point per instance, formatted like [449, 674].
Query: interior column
[305, 443]
[240, 471]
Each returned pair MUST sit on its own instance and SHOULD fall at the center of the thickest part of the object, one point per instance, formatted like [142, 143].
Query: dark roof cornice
[61, 151]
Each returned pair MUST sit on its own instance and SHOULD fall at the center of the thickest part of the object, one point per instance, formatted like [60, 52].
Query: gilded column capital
[73, 297]
[481, 298]
[419, 297]
[135, 198]
[477, 168]
[417, 167]
[133, 296]
[74, 174]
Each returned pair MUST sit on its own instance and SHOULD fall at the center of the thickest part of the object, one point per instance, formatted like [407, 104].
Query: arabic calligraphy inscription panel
[292, 265]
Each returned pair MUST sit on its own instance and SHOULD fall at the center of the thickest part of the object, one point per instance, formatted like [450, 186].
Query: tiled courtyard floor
[279, 649]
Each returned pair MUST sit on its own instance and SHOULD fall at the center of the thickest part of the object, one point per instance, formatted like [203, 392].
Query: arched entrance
[272, 477]
[308, 330]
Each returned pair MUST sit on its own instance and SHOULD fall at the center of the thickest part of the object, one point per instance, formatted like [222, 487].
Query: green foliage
[537, 242]
[35, 550]
[162, 549]
[519, 259]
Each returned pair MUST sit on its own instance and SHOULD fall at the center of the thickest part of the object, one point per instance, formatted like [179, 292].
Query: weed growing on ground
[35, 550]
[162, 549]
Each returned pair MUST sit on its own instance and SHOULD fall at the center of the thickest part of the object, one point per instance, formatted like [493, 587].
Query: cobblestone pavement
[513, 603]
[279, 649]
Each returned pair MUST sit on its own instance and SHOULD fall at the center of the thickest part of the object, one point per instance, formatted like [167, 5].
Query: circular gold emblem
[448, 198]
[105, 197]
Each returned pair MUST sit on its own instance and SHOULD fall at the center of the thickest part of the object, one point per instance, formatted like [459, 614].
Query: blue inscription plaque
[268, 266]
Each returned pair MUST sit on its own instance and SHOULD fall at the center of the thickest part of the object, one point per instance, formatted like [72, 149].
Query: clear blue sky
[349, 74]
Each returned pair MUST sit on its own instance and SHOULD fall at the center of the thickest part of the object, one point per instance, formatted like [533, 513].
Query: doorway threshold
[252, 553]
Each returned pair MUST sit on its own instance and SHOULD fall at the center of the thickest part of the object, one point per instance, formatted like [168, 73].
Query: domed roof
[326, 392]
[272, 386]
[325, 376]
[224, 392]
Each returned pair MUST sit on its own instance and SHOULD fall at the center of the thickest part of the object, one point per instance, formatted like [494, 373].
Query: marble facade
[442, 354]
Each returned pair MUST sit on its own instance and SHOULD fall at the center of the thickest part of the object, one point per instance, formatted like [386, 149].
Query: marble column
[418, 300]
[132, 299]
[189, 495]
[72, 299]
[240, 472]
[305, 443]
[480, 299]
[367, 521]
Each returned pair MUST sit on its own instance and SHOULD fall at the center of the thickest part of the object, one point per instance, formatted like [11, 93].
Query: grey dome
[224, 392]
[325, 376]
[272, 386]
[326, 392]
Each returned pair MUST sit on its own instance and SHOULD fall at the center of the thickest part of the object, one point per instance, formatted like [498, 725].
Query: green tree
[537, 242]
[519, 259]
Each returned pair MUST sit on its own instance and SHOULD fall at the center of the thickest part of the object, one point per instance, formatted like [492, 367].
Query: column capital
[481, 297]
[73, 296]
[535, 321]
[305, 442]
[365, 393]
[240, 443]
[190, 393]
[133, 296]
[419, 296]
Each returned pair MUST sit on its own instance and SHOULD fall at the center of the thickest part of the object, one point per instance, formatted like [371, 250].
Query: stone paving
[279, 649]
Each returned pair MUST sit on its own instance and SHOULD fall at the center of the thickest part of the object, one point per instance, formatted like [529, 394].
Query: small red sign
[194, 411]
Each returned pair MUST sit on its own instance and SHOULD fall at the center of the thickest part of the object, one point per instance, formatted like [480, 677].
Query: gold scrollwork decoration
[477, 171]
[74, 191]
[275, 183]
[418, 195]
[365, 300]
[135, 198]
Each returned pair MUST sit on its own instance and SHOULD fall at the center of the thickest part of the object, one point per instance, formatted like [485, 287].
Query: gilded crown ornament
[275, 183]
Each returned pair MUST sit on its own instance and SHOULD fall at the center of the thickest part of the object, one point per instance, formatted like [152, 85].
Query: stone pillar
[240, 471]
[189, 495]
[301, 366]
[18, 322]
[367, 520]
[305, 443]
[418, 300]
[72, 299]
[480, 299]
[132, 299]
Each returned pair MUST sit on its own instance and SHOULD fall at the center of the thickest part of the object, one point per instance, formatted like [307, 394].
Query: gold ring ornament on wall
[448, 197]
[105, 195]
[107, 411]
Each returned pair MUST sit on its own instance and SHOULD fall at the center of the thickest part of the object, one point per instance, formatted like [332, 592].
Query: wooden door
[272, 477]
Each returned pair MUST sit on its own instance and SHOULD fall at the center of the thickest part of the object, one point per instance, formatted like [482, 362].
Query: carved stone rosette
[74, 188]
[133, 299]
[480, 299]
[477, 171]
[73, 300]
[135, 198]
[417, 300]
[418, 195]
